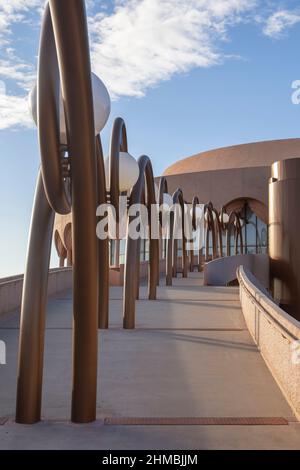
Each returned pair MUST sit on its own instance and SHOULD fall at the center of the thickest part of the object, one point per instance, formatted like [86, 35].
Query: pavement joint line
[197, 421]
[164, 421]
[120, 328]
[179, 329]
[181, 300]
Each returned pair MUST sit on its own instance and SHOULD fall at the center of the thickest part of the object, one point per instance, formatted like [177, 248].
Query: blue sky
[186, 75]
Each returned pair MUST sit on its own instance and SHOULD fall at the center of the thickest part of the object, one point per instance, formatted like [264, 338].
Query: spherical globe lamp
[128, 171]
[167, 200]
[101, 102]
[198, 212]
[156, 190]
[225, 218]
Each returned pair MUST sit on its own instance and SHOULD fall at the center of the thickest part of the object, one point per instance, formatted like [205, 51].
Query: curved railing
[276, 333]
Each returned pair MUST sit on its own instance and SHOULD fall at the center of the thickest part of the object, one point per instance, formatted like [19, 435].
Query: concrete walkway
[190, 356]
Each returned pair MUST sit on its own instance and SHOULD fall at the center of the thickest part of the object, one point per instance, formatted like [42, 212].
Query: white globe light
[128, 171]
[156, 190]
[199, 212]
[167, 200]
[225, 218]
[101, 102]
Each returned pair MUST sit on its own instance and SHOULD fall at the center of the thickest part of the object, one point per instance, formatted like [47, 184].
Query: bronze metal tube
[195, 202]
[71, 37]
[33, 310]
[210, 227]
[48, 119]
[172, 245]
[103, 246]
[118, 142]
[132, 246]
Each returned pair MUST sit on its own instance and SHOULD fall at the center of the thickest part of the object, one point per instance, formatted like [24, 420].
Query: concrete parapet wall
[221, 271]
[276, 334]
[59, 280]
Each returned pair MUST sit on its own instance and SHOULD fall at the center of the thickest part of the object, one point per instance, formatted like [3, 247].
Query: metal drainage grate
[269, 421]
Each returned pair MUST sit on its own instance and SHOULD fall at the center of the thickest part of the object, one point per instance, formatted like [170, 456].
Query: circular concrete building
[237, 178]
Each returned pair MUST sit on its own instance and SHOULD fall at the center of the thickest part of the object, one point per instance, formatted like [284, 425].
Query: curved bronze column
[103, 245]
[223, 227]
[60, 248]
[118, 143]
[172, 252]
[210, 227]
[50, 196]
[67, 233]
[217, 225]
[71, 41]
[195, 202]
[239, 236]
[163, 189]
[73, 55]
[234, 221]
[48, 89]
[138, 248]
[33, 310]
[132, 246]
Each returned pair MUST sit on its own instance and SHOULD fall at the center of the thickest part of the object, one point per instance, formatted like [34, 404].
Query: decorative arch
[258, 207]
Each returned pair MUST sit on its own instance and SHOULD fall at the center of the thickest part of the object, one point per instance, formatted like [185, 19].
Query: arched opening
[253, 216]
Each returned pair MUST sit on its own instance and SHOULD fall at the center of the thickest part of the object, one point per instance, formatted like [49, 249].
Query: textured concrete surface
[277, 335]
[191, 355]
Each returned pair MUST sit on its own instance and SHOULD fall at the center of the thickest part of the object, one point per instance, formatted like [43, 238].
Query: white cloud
[13, 110]
[135, 45]
[143, 42]
[13, 107]
[278, 22]
[13, 11]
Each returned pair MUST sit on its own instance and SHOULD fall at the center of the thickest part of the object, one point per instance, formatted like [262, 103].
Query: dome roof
[237, 156]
